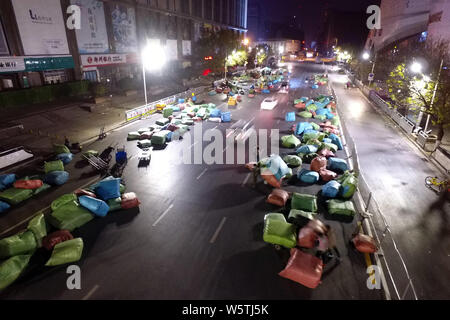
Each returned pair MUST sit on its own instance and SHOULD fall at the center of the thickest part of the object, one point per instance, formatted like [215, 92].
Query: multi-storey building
[37, 47]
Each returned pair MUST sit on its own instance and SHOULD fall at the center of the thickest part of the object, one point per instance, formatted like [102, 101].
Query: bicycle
[433, 182]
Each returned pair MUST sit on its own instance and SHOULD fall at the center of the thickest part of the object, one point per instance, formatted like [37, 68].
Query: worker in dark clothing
[256, 170]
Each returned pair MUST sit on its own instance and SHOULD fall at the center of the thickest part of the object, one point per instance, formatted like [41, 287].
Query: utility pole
[373, 67]
[434, 93]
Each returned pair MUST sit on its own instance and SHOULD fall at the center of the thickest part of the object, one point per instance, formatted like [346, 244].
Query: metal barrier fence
[398, 280]
[146, 109]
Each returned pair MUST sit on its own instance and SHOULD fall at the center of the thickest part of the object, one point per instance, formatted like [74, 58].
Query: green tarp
[66, 252]
[278, 231]
[12, 268]
[70, 216]
[20, 243]
[305, 202]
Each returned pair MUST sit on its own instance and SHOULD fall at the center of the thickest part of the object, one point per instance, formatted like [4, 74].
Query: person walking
[441, 205]
[256, 169]
[327, 244]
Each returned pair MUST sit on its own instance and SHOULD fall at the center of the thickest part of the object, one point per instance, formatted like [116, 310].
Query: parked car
[269, 103]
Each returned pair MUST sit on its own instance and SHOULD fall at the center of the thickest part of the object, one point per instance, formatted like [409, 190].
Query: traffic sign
[371, 76]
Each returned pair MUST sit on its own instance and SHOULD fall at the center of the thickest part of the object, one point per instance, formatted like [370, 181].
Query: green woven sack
[305, 202]
[290, 141]
[60, 148]
[335, 121]
[51, 166]
[329, 146]
[293, 161]
[62, 200]
[162, 121]
[114, 204]
[279, 232]
[167, 112]
[307, 158]
[66, 252]
[315, 126]
[320, 117]
[15, 196]
[305, 114]
[41, 189]
[70, 216]
[12, 268]
[20, 243]
[122, 188]
[309, 135]
[95, 153]
[311, 107]
[38, 226]
[300, 217]
[341, 208]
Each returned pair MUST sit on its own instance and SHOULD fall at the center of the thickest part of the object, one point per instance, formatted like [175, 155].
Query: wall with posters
[92, 37]
[171, 49]
[41, 26]
[123, 20]
[186, 47]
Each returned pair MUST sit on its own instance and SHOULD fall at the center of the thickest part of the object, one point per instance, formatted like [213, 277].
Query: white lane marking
[162, 216]
[90, 293]
[201, 174]
[246, 179]
[215, 128]
[127, 125]
[193, 145]
[216, 234]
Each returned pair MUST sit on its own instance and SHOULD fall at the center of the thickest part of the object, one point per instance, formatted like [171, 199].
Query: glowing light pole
[153, 58]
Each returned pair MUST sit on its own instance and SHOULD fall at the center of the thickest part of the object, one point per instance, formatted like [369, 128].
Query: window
[224, 11]
[184, 6]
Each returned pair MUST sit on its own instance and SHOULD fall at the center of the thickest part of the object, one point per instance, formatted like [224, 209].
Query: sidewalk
[45, 125]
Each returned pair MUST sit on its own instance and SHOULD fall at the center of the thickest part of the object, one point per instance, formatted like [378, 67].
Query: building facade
[37, 48]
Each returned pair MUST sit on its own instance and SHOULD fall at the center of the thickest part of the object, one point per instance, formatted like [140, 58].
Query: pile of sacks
[62, 153]
[14, 191]
[69, 212]
[321, 108]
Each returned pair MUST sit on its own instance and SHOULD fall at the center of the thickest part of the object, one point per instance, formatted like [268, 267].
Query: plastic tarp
[56, 177]
[279, 232]
[12, 268]
[290, 141]
[70, 216]
[51, 166]
[15, 196]
[62, 200]
[108, 189]
[17, 244]
[96, 206]
[308, 176]
[341, 208]
[290, 116]
[303, 268]
[66, 252]
[331, 189]
[292, 161]
[66, 158]
[305, 202]
[60, 148]
[338, 165]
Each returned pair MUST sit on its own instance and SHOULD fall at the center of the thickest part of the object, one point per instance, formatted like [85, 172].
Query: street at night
[260, 160]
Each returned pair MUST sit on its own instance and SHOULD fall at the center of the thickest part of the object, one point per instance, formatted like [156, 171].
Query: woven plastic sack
[307, 158]
[144, 143]
[278, 197]
[308, 176]
[66, 158]
[315, 126]
[341, 208]
[62, 200]
[338, 165]
[269, 177]
[60, 148]
[96, 206]
[17, 244]
[279, 232]
[15, 196]
[318, 163]
[28, 184]
[302, 126]
[7, 180]
[336, 140]
[134, 135]
[226, 116]
[290, 116]
[66, 252]
[129, 200]
[12, 268]
[56, 178]
[70, 216]
[114, 204]
[327, 175]
[364, 243]
[52, 239]
[4, 206]
[307, 149]
[108, 189]
[310, 134]
[38, 227]
[303, 268]
[349, 183]
[305, 202]
[305, 114]
[293, 161]
[51, 166]
[300, 217]
[162, 121]
[326, 153]
[331, 189]
[320, 117]
[329, 146]
[307, 238]
[290, 141]
[215, 113]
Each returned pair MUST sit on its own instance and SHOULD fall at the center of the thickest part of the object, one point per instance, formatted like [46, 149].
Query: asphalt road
[198, 233]
[395, 171]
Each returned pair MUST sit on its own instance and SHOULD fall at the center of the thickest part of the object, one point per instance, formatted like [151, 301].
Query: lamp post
[152, 58]
[434, 93]
[366, 56]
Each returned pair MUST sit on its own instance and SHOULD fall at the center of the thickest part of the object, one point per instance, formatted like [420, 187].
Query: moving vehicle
[269, 103]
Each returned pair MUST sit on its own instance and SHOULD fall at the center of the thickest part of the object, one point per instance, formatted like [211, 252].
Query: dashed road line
[162, 216]
[90, 293]
[219, 228]
[246, 179]
[201, 174]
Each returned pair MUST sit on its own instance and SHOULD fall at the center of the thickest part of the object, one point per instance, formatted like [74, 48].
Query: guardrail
[145, 110]
[401, 284]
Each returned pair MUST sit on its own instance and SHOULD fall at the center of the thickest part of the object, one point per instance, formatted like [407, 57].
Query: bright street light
[426, 78]
[416, 67]
[246, 41]
[281, 49]
[366, 56]
[152, 58]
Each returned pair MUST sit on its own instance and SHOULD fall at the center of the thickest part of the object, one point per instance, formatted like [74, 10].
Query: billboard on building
[4, 50]
[92, 37]
[41, 26]
[124, 28]
[171, 49]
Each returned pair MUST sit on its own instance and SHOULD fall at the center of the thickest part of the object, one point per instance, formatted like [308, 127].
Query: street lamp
[366, 56]
[153, 58]
[416, 67]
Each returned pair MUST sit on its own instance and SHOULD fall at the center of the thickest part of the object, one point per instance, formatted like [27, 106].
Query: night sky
[309, 13]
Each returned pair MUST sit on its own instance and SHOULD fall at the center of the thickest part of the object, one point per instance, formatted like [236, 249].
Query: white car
[269, 103]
